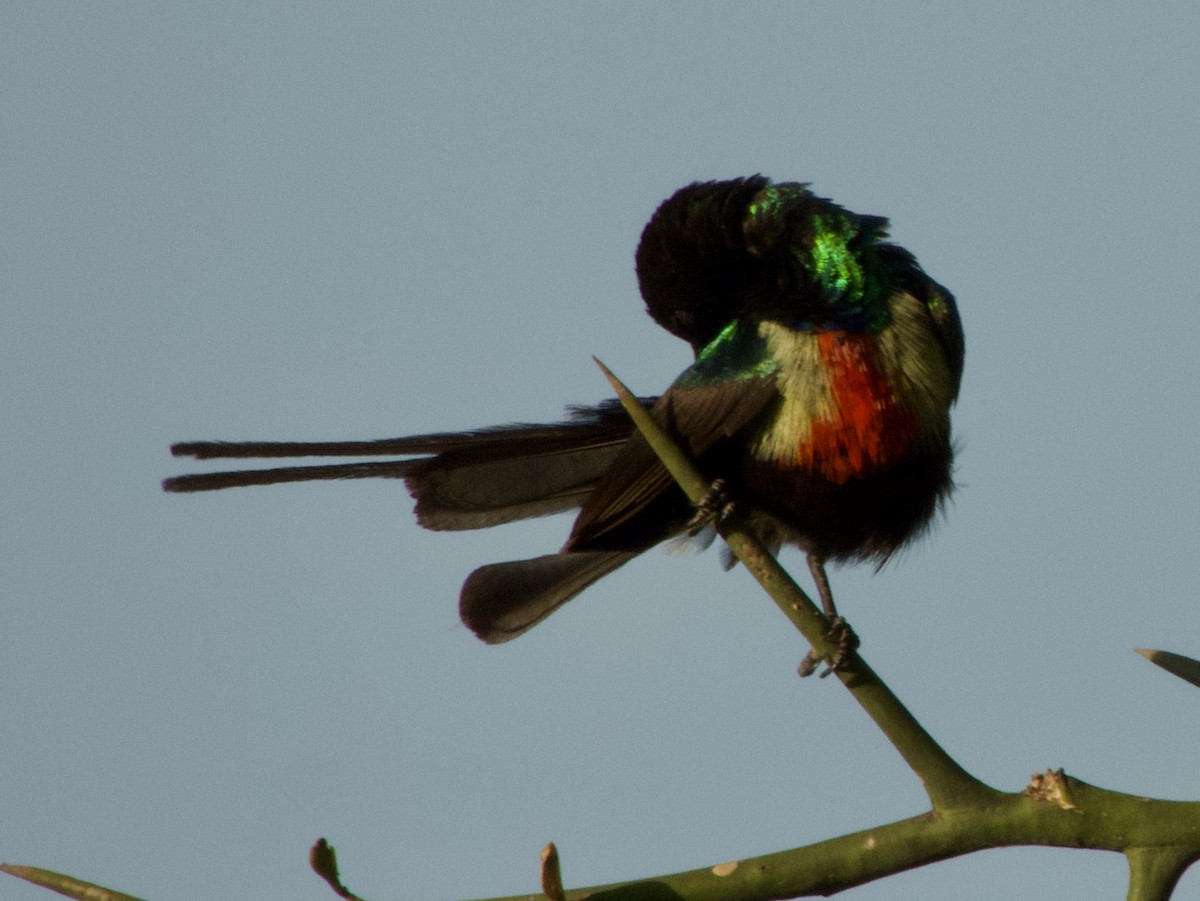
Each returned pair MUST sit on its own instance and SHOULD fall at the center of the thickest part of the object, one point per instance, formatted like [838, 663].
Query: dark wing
[943, 310]
[634, 503]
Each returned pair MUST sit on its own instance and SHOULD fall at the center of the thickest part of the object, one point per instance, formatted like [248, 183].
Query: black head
[693, 266]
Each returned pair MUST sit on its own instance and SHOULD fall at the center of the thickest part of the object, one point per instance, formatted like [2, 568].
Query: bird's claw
[847, 643]
[712, 508]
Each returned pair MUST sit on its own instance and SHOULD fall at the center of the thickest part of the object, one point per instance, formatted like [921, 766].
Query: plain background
[307, 221]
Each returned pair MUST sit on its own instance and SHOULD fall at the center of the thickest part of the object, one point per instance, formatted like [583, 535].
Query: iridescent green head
[830, 254]
[746, 249]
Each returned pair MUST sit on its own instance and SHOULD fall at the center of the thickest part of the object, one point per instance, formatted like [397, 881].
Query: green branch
[948, 785]
[1101, 820]
[1154, 872]
[1160, 839]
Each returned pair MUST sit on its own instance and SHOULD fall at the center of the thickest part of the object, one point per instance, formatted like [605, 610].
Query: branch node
[727, 868]
[1051, 786]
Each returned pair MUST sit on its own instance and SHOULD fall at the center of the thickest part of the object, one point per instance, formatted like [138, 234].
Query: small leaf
[1176, 664]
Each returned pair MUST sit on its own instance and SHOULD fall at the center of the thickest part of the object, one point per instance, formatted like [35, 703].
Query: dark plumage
[826, 365]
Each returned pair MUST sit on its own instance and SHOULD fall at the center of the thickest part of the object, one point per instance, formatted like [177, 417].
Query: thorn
[552, 886]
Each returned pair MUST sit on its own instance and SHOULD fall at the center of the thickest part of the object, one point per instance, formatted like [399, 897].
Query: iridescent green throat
[843, 266]
[847, 284]
[737, 353]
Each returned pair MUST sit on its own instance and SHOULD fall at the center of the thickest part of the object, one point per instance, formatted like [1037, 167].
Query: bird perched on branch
[826, 365]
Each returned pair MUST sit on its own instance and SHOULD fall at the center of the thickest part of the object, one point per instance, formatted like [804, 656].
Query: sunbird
[826, 364]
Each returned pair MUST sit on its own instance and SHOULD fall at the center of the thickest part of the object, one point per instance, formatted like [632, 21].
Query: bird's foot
[847, 643]
[712, 508]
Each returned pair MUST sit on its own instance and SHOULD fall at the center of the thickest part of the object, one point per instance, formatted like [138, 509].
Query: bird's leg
[839, 629]
[712, 508]
[816, 566]
[715, 506]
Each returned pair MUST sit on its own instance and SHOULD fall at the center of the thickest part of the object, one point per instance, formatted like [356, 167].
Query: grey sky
[348, 220]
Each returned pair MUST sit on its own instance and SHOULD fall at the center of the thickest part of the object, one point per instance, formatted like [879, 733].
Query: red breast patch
[869, 427]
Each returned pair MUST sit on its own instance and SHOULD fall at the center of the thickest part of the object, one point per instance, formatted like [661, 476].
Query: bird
[826, 364]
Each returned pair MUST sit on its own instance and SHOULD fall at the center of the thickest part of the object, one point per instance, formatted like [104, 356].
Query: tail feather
[211, 481]
[460, 480]
[452, 495]
[245, 450]
[469, 480]
[503, 600]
